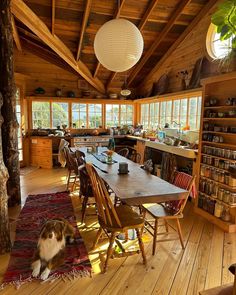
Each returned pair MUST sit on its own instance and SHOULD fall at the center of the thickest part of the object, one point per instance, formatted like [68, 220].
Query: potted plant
[225, 21]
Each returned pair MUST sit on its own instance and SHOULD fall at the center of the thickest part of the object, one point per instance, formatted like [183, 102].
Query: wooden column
[7, 88]
[5, 242]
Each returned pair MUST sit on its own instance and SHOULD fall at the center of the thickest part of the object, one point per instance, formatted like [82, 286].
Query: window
[154, 114]
[79, 115]
[112, 115]
[18, 117]
[215, 47]
[59, 114]
[126, 114]
[94, 115]
[183, 111]
[145, 115]
[40, 114]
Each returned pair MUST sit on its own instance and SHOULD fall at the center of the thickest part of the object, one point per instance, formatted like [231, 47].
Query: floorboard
[201, 265]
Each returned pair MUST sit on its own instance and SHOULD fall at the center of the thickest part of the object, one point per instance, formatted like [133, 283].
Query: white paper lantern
[118, 45]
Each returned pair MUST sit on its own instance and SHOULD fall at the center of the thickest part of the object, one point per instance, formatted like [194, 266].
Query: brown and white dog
[51, 246]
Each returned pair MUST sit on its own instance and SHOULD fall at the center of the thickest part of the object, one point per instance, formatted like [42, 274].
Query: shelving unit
[217, 116]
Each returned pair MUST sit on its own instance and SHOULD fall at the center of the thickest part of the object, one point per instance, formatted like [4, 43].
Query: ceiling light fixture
[118, 45]
[125, 91]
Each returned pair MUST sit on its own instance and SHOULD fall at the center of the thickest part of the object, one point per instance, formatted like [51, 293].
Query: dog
[50, 251]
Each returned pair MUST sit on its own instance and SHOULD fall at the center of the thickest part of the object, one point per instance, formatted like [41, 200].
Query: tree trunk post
[8, 90]
[5, 242]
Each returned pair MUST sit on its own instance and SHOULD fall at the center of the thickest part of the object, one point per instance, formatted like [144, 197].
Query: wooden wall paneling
[154, 46]
[184, 52]
[30, 19]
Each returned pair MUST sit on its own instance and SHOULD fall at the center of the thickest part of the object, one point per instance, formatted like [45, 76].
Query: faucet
[179, 127]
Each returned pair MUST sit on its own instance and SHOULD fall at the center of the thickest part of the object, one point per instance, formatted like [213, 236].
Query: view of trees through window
[46, 114]
[184, 112]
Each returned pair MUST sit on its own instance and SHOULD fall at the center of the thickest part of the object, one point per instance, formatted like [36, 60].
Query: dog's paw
[36, 268]
[35, 272]
[45, 274]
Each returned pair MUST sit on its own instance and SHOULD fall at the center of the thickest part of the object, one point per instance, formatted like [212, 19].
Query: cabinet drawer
[39, 151]
[43, 162]
[41, 142]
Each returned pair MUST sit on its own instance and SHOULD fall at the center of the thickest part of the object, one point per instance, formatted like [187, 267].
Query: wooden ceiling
[63, 32]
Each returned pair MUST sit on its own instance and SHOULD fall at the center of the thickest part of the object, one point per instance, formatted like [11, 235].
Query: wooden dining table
[138, 186]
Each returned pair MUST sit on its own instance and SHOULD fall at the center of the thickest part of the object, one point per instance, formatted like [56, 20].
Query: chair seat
[159, 211]
[128, 218]
[221, 290]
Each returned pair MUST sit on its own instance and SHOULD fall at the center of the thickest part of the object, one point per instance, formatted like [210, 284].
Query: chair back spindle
[105, 207]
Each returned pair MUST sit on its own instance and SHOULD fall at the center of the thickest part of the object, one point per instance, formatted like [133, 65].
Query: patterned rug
[37, 210]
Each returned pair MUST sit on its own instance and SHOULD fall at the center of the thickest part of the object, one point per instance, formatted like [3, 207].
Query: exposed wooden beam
[16, 35]
[147, 14]
[96, 70]
[160, 38]
[196, 20]
[140, 26]
[111, 78]
[118, 11]
[84, 24]
[116, 15]
[38, 27]
[53, 15]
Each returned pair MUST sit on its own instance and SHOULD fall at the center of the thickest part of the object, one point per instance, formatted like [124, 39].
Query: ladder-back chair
[113, 220]
[72, 166]
[171, 210]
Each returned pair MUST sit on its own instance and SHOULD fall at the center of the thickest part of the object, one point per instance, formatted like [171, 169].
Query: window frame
[87, 102]
[171, 97]
[210, 39]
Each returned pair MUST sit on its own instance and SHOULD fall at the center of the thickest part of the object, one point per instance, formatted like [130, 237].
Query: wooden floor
[203, 264]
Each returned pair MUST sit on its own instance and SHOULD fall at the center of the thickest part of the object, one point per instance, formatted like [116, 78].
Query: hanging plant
[225, 21]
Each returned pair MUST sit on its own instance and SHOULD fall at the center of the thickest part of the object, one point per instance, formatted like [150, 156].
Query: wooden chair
[114, 220]
[85, 191]
[123, 152]
[72, 166]
[172, 210]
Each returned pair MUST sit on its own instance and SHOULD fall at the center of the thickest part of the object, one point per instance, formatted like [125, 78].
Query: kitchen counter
[180, 151]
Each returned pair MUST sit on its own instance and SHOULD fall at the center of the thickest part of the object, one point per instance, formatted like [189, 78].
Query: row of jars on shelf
[211, 189]
[219, 152]
[218, 163]
[217, 175]
[216, 128]
[214, 207]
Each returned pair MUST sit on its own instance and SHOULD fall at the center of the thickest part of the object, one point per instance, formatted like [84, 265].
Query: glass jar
[204, 149]
[218, 210]
[209, 160]
[216, 162]
[233, 155]
[221, 164]
[226, 214]
[226, 164]
[227, 177]
[222, 153]
[220, 194]
[232, 198]
[226, 196]
[204, 159]
[216, 175]
[228, 154]
[215, 191]
[207, 172]
[203, 168]
[222, 177]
